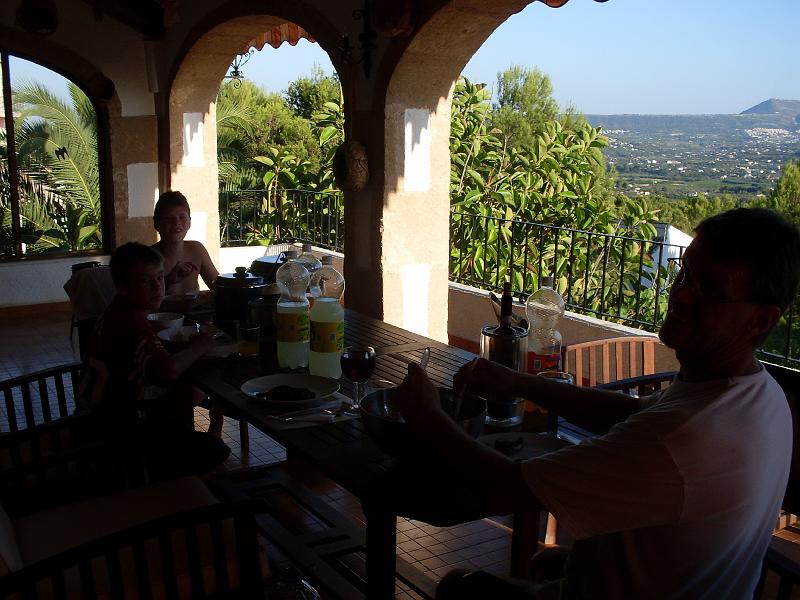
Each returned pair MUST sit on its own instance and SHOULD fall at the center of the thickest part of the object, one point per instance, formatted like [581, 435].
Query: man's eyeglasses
[703, 290]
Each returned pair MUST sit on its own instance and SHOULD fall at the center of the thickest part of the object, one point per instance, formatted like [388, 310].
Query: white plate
[321, 386]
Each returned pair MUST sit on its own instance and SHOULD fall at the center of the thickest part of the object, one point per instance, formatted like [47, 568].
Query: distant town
[678, 156]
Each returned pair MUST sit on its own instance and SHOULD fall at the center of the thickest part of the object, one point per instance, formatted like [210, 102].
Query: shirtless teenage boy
[183, 260]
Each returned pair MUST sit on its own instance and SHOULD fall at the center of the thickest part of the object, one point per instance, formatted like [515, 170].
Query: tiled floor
[40, 340]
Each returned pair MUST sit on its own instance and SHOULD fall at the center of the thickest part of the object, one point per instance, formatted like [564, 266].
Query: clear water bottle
[309, 261]
[545, 309]
[327, 322]
[290, 585]
[292, 315]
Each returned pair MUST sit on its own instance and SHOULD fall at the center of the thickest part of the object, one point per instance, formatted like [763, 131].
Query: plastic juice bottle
[545, 309]
[327, 322]
[292, 315]
[309, 261]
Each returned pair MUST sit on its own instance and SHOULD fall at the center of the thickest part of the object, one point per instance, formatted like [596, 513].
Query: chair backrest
[602, 361]
[39, 397]
[90, 291]
[643, 385]
[207, 552]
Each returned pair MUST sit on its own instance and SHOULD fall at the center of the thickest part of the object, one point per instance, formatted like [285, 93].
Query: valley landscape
[680, 156]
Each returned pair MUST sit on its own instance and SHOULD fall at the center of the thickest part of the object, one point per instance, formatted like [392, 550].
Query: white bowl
[165, 320]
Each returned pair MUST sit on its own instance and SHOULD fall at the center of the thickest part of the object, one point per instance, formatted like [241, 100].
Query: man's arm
[590, 408]
[493, 473]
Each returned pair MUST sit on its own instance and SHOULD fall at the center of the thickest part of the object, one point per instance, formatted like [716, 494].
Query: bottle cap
[292, 253]
[547, 281]
[327, 260]
[306, 247]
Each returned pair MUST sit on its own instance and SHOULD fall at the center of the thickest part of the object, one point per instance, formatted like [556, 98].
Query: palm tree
[59, 177]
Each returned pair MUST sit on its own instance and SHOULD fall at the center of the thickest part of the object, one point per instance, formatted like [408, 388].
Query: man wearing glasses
[679, 498]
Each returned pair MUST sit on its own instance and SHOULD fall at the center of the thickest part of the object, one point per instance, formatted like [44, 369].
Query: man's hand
[486, 378]
[418, 400]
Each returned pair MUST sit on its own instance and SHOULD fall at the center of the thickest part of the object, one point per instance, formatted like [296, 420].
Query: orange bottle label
[542, 362]
[326, 336]
[292, 327]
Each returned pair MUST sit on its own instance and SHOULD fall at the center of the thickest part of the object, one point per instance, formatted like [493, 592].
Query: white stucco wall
[38, 281]
[41, 281]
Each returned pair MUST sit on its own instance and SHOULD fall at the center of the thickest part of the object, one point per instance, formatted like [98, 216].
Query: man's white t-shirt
[679, 500]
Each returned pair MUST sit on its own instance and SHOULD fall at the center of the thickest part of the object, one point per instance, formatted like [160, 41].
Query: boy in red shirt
[134, 385]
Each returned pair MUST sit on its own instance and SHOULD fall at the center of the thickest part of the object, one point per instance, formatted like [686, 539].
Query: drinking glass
[559, 377]
[247, 338]
[358, 363]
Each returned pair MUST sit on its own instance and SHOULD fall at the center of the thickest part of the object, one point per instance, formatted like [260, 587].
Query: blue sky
[621, 56]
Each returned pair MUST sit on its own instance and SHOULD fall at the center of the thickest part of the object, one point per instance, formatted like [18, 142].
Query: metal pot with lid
[267, 266]
[232, 293]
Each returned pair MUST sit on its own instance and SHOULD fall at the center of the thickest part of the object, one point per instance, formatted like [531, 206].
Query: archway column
[193, 161]
[415, 220]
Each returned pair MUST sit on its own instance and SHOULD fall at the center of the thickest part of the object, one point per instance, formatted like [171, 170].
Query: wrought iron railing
[276, 216]
[612, 277]
[607, 276]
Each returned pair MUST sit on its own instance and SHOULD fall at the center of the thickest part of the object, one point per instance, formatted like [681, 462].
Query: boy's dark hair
[170, 200]
[127, 256]
[762, 241]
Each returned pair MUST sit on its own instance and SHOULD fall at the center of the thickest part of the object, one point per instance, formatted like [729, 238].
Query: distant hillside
[727, 125]
[773, 106]
[770, 114]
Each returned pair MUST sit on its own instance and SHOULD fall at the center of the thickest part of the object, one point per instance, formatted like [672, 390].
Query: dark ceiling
[145, 16]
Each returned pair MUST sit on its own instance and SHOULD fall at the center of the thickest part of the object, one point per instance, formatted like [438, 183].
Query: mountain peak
[774, 106]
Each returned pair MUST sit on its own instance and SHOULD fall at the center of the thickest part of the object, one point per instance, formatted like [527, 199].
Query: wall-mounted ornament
[361, 54]
[351, 167]
[236, 67]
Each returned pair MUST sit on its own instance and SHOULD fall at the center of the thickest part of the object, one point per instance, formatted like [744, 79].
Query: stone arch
[415, 253]
[190, 144]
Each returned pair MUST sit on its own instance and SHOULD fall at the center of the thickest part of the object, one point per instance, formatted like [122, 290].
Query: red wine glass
[358, 363]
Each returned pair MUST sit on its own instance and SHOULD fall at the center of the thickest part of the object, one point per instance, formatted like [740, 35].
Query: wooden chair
[210, 551]
[80, 526]
[39, 397]
[602, 361]
[40, 429]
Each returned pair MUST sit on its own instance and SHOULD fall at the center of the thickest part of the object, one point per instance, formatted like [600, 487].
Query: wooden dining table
[343, 451]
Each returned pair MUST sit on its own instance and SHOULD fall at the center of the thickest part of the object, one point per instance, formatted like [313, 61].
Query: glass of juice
[247, 338]
[358, 363]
